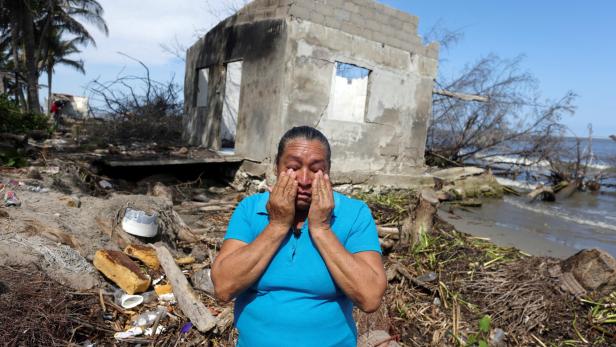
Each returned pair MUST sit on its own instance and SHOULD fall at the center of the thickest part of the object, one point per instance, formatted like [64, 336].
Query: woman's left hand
[319, 215]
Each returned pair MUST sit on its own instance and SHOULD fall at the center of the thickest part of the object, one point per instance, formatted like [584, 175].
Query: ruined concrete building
[356, 70]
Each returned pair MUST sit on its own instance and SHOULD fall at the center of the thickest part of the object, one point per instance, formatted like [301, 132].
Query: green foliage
[480, 338]
[484, 324]
[15, 121]
[12, 158]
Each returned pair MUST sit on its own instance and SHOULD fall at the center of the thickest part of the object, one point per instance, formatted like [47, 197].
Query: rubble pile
[83, 266]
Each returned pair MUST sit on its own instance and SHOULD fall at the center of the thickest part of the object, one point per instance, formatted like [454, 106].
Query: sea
[560, 228]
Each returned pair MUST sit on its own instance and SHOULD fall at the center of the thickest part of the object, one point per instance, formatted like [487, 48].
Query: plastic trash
[149, 297]
[10, 199]
[139, 223]
[105, 184]
[37, 189]
[138, 331]
[186, 328]
[148, 318]
[427, 277]
[126, 300]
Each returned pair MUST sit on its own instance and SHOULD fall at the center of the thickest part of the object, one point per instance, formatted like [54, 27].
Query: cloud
[138, 28]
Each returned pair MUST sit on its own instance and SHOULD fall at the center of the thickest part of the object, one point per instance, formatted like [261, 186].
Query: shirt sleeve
[363, 235]
[239, 227]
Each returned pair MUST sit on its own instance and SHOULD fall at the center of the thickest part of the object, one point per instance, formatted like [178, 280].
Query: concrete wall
[260, 45]
[289, 50]
[391, 139]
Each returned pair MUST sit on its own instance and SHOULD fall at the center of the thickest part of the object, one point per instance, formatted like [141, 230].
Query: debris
[188, 301]
[71, 201]
[34, 228]
[163, 289]
[457, 173]
[34, 173]
[119, 268]
[202, 280]
[140, 223]
[427, 277]
[377, 338]
[544, 193]
[105, 184]
[162, 191]
[4, 214]
[127, 301]
[388, 232]
[430, 196]
[181, 151]
[52, 170]
[185, 260]
[217, 190]
[594, 270]
[138, 331]
[200, 198]
[10, 199]
[568, 190]
[224, 320]
[146, 254]
[497, 338]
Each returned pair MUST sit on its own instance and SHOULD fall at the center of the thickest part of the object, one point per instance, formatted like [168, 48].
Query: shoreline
[558, 229]
[520, 239]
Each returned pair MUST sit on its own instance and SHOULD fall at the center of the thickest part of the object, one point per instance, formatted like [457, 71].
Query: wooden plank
[187, 300]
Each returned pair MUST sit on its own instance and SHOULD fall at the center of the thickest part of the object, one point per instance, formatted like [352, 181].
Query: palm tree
[57, 53]
[30, 25]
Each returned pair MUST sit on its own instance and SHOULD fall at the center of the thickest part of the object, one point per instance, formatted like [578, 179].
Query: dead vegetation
[442, 285]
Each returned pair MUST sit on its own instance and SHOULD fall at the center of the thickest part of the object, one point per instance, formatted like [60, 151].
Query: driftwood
[567, 190]
[187, 300]
[388, 232]
[545, 193]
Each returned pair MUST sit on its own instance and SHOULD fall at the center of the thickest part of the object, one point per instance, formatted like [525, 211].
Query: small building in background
[76, 107]
[356, 70]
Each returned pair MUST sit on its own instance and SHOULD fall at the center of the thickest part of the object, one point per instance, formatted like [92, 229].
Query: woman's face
[305, 158]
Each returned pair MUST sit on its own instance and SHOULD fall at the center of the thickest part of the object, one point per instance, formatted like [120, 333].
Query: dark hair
[306, 133]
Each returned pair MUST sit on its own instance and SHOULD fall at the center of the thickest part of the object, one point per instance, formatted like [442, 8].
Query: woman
[297, 258]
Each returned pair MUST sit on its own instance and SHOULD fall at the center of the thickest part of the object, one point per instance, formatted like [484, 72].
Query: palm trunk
[31, 63]
[16, 68]
[49, 77]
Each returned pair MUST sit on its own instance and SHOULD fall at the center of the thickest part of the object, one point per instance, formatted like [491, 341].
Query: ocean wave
[558, 214]
[542, 164]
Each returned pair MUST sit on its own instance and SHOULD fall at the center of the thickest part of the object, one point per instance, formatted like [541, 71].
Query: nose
[304, 177]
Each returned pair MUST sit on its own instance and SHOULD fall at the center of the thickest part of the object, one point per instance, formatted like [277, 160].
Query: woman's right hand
[281, 204]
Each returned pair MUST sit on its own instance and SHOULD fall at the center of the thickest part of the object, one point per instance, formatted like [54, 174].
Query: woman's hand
[319, 215]
[281, 203]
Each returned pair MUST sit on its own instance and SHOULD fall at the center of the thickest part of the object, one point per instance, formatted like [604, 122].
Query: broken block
[124, 272]
[145, 254]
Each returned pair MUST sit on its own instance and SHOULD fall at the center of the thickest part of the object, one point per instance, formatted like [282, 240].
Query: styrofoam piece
[139, 223]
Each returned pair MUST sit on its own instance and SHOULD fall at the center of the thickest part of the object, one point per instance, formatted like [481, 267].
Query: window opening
[349, 93]
[231, 106]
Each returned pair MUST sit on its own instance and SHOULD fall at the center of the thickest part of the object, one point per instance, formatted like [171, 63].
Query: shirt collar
[262, 204]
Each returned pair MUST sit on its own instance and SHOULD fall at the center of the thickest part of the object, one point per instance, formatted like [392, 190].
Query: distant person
[56, 111]
[299, 257]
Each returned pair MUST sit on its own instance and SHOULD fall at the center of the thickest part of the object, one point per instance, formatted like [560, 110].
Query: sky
[567, 45]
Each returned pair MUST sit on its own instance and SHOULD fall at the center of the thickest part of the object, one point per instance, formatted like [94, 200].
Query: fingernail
[326, 176]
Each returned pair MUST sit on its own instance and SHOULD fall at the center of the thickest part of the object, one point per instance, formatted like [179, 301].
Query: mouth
[305, 196]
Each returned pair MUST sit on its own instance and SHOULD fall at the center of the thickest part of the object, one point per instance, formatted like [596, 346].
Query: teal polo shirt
[296, 302]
